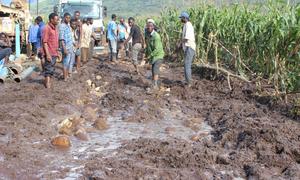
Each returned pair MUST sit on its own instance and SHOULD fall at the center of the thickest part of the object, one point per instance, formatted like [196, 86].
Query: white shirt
[188, 34]
[86, 35]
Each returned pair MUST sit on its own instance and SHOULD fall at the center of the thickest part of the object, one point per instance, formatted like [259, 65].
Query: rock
[79, 102]
[192, 125]
[97, 89]
[195, 138]
[77, 121]
[101, 124]
[65, 127]
[62, 141]
[222, 159]
[82, 134]
[197, 120]
[89, 82]
[169, 130]
[98, 77]
[90, 113]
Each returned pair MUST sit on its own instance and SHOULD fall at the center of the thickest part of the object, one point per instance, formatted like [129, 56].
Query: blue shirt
[112, 27]
[65, 34]
[33, 31]
[40, 34]
[122, 32]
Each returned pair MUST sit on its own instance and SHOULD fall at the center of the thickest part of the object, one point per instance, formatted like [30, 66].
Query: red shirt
[50, 36]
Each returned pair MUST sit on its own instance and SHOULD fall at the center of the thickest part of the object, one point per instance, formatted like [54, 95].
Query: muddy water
[106, 142]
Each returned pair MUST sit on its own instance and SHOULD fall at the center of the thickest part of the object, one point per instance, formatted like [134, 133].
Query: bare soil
[202, 132]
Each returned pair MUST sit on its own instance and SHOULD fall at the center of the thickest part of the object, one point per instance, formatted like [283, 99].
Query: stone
[101, 124]
[195, 138]
[222, 159]
[65, 127]
[89, 82]
[169, 130]
[61, 141]
[90, 113]
[98, 77]
[81, 134]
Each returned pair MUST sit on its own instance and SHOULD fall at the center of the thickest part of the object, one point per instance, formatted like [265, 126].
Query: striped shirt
[65, 34]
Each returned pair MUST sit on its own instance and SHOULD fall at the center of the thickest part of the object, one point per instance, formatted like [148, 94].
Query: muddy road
[119, 131]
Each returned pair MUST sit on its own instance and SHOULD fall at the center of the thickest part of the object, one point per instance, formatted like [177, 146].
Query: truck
[88, 9]
[15, 13]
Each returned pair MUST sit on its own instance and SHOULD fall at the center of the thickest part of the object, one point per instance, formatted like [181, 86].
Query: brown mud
[121, 132]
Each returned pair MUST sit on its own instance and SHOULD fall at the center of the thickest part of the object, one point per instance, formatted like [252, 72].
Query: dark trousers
[49, 67]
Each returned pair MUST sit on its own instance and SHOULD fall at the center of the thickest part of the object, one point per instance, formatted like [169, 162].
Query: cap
[151, 21]
[184, 15]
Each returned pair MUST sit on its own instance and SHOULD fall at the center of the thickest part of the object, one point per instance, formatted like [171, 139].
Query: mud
[203, 132]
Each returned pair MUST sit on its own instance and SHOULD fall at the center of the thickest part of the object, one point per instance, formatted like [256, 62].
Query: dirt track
[206, 132]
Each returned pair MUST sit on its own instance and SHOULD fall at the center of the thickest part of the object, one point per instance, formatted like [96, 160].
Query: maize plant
[258, 41]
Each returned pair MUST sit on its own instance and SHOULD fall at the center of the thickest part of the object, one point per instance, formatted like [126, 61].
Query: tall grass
[255, 41]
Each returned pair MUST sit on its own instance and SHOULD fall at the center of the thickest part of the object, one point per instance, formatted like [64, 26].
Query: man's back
[135, 32]
[189, 35]
[112, 26]
[33, 32]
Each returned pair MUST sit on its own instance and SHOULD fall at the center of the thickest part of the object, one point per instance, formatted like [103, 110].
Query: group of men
[148, 42]
[71, 39]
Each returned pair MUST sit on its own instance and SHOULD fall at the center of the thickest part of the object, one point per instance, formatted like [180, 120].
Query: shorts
[69, 60]
[156, 67]
[135, 52]
[49, 67]
[78, 52]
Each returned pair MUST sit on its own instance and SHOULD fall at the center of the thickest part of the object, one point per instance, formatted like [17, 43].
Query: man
[112, 38]
[50, 45]
[154, 53]
[93, 38]
[32, 38]
[79, 28]
[85, 41]
[122, 35]
[76, 39]
[5, 47]
[41, 24]
[188, 45]
[137, 42]
[67, 46]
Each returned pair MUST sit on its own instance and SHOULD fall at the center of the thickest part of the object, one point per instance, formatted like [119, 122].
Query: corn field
[256, 42]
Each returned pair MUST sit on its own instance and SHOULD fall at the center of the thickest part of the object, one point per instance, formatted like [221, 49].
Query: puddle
[108, 141]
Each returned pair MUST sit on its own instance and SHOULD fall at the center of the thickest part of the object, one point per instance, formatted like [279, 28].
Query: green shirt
[154, 50]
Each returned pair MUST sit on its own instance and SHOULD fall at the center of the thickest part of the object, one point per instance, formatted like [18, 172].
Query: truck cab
[88, 9]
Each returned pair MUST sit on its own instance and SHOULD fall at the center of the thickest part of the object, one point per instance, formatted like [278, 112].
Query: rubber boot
[155, 84]
[114, 56]
[117, 55]
[126, 55]
[111, 57]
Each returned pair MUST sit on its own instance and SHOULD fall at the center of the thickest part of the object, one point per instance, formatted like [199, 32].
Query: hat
[151, 21]
[184, 15]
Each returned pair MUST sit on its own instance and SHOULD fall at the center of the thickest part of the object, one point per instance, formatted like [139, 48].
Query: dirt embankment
[248, 139]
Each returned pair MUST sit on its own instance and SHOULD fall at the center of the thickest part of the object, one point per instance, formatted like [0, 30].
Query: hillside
[138, 7]
[124, 7]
